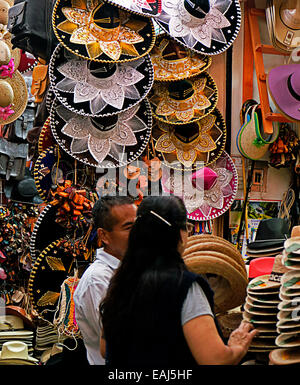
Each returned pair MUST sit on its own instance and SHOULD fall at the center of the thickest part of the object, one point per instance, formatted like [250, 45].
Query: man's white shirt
[87, 297]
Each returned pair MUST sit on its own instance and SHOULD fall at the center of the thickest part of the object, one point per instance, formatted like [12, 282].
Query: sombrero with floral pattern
[191, 145]
[206, 26]
[208, 192]
[106, 142]
[95, 30]
[150, 8]
[174, 61]
[184, 101]
[98, 89]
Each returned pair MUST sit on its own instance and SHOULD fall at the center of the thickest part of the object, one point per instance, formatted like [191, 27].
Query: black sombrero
[103, 142]
[184, 101]
[95, 30]
[99, 89]
[206, 26]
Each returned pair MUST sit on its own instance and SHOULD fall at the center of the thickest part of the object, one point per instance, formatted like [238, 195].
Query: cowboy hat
[103, 142]
[99, 31]
[192, 144]
[14, 353]
[99, 89]
[284, 88]
[206, 26]
[173, 61]
[149, 8]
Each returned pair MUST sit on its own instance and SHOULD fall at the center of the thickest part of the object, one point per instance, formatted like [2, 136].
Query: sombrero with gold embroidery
[54, 264]
[187, 145]
[99, 89]
[173, 61]
[206, 26]
[150, 8]
[208, 192]
[95, 30]
[46, 138]
[184, 101]
[106, 142]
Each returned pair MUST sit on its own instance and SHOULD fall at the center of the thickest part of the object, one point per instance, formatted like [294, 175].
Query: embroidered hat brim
[77, 27]
[148, 8]
[118, 143]
[46, 138]
[210, 36]
[80, 91]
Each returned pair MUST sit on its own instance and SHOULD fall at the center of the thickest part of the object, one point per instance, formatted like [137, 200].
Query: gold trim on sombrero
[20, 98]
[81, 24]
[177, 62]
[179, 111]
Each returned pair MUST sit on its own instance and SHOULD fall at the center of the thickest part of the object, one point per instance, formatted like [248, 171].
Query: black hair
[102, 215]
[152, 258]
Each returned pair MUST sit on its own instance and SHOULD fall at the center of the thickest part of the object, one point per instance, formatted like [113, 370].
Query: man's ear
[102, 237]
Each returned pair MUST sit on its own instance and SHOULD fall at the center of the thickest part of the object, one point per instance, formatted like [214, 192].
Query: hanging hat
[209, 192]
[229, 284]
[9, 56]
[150, 8]
[27, 62]
[206, 26]
[46, 138]
[191, 145]
[288, 356]
[45, 231]
[184, 101]
[106, 142]
[16, 353]
[173, 61]
[271, 232]
[99, 89]
[95, 30]
[284, 87]
[55, 264]
[283, 24]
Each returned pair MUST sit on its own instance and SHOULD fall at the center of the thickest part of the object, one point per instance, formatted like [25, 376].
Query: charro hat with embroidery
[99, 89]
[184, 101]
[173, 61]
[46, 138]
[208, 192]
[185, 145]
[150, 8]
[206, 26]
[107, 142]
[95, 30]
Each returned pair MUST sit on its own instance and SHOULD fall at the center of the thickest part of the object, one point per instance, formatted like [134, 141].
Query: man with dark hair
[113, 219]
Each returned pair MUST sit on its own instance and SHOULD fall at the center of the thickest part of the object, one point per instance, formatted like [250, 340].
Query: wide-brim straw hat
[288, 356]
[208, 31]
[262, 285]
[102, 32]
[229, 284]
[173, 61]
[229, 321]
[288, 340]
[99, 89]
[13, 351]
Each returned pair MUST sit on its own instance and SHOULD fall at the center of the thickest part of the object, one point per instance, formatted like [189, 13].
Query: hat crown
[106, 16]
[102, 70]
[180, 90]
[197, 8]
[187, 133]
[27, 188]
[205, 178]
[14, 349]
[6, 93]
[5, 54]
[273, 228]
[104, 124]
[293, 83]
[290, 13]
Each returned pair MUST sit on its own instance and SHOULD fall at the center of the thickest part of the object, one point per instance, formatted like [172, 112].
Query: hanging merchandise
[207, 27]
[150, 8]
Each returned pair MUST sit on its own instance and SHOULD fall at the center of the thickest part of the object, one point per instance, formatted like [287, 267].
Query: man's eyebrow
[127, 223]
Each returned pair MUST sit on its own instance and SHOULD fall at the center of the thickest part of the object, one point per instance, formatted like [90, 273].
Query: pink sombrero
[208, 192]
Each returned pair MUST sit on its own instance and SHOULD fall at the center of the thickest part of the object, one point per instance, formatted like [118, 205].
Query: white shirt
[87, 297]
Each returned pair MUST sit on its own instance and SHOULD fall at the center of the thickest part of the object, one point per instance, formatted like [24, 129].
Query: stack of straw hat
[223, 266]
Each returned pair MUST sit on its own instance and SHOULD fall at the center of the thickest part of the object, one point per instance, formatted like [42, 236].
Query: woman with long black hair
[156, 313]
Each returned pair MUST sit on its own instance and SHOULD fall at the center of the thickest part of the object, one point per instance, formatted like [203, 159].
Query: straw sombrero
[184, 101]
[229, 285]
[292, 245]
[288, 356]
[99, 89]
[262, 285]
[173, 61]
[7, 52]
[208, 27]
[288, 340]
[103, 142]
[99, 31]
[149, 8]
[208, 192]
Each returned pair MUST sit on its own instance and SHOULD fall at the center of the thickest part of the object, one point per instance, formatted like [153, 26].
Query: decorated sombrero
[100, 31]
[173, 61]
[107, 142]
[99, 89]
[150, 8]
[184, 101]
[55, 264]
[185, 145]
[206, 26]
[46, 138]
[208, 192]
[9, 56]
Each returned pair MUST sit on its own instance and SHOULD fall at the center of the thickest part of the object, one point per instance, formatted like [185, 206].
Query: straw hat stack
[261, 307]
[288, 317]
[223, 266]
